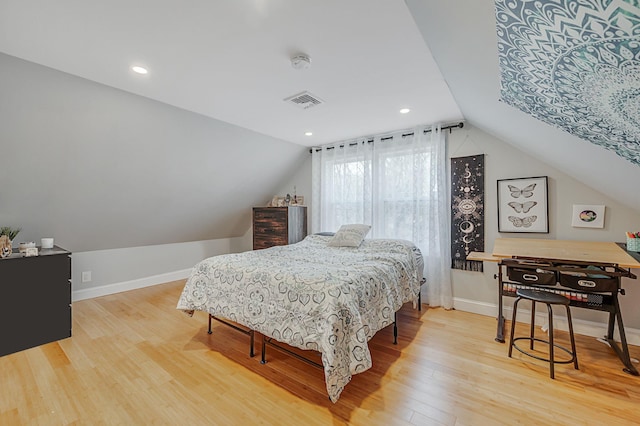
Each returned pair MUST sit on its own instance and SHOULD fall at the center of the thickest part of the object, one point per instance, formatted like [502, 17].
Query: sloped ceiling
[97, 166]
[462, 37]
[101, 157]
[576, 66]
[230, 60]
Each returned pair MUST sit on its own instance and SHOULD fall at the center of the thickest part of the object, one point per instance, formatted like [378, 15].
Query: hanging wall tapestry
[467, 211]
[575, 65]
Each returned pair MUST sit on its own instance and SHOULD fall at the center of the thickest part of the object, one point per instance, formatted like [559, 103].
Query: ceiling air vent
[304, 100]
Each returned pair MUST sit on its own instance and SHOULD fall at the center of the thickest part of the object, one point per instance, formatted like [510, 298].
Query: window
[397, 185]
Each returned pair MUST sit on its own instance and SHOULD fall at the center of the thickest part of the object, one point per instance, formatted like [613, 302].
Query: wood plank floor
[134, 359]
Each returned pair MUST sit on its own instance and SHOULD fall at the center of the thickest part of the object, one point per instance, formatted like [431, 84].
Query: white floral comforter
[311, 296]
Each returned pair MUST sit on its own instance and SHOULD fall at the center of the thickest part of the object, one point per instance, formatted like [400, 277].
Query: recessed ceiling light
[139, 70]
[308, 133]
[405, 110]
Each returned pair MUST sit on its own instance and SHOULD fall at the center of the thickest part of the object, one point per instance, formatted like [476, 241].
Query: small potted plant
[7, 234]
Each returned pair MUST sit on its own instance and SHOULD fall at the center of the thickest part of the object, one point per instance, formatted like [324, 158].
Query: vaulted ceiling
[368, 59]
[231, 60]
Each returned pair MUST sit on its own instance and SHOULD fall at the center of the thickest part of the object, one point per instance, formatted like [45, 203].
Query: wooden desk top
[588, 251]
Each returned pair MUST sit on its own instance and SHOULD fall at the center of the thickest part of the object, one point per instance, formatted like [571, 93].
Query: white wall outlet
[86, 276]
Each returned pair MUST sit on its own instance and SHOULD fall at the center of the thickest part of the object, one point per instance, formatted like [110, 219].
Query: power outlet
[86, 276]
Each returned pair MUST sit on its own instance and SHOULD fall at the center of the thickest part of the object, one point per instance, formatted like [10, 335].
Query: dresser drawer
[270, 228]
[262, 243]
[272, 214]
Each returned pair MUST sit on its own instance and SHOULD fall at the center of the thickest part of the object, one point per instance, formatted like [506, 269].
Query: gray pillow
[349, 236]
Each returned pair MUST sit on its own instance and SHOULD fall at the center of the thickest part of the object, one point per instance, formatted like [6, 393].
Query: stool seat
[542, 296]
[549, 299]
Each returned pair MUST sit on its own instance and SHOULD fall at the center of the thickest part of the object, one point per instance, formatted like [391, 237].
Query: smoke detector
[301, 62]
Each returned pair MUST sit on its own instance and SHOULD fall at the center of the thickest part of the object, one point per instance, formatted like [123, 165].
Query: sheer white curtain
[397, 184]
[341, 185]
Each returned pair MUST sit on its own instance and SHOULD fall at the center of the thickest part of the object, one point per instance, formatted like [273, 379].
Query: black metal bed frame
[249, 332]
[265, 340]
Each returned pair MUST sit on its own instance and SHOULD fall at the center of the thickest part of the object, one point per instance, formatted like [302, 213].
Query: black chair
[549, 299]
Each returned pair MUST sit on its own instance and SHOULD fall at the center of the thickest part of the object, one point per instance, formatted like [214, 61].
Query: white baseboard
[586, 328]
[104, 290]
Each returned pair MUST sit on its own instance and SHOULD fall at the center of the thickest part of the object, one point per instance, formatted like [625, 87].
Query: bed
[312, 296]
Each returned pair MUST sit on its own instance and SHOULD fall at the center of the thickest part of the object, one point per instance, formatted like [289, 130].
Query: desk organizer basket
[588, 282]
[633, 244]
[534, 276]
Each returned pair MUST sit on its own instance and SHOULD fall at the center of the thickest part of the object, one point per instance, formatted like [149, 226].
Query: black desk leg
[621, 350]
[500, 318]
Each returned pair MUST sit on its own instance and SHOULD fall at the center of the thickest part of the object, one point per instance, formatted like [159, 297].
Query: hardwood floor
[134, 359]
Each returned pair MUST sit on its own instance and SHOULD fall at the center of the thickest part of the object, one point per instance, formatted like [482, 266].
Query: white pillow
[349, 236]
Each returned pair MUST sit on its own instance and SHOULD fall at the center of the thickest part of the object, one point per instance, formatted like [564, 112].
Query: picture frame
[31, 251]
[523, 205]
[588, 216]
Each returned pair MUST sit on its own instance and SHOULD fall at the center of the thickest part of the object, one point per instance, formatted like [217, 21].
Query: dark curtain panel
[467, 211]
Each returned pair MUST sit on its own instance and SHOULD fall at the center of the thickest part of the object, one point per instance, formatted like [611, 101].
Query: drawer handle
[585, 283]
[529, 277]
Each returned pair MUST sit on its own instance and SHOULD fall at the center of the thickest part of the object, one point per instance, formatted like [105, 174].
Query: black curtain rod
[451, 127]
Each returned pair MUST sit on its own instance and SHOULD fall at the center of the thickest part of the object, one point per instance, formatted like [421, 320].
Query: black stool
[548, 299]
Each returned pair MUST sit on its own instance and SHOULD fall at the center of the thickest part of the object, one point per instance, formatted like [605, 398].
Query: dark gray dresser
[35, 299]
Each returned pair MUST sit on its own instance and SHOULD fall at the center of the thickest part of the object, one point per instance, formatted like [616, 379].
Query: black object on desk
[35, 299]
[588, 285]
[634, 254]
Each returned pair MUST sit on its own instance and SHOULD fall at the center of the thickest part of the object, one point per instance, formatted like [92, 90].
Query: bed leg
[395, 328]
[251, 351]
[209, 331]
[420, 301]
[263, 356]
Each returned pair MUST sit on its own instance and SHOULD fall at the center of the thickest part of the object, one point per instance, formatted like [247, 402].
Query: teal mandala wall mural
[575, 65]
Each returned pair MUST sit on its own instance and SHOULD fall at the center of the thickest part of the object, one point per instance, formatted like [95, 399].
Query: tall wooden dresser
[278, 226]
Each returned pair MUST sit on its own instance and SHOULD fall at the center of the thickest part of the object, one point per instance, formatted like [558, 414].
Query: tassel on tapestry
[467, 211]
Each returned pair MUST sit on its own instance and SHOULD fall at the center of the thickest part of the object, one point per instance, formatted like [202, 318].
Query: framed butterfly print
[523, 205]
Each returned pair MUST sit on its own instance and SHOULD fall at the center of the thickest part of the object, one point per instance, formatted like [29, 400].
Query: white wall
[477, 292]
[301, 180]
[124, 269]
[138, 190]
[98, 168]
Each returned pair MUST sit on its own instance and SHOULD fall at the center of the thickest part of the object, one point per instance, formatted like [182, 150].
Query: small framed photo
[587, 216]
[523, 205]
[31, 251]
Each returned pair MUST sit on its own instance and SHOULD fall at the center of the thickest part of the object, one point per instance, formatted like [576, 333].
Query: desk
[585, 251]
[575, 253]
